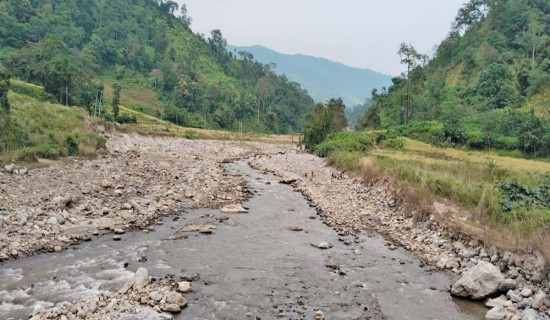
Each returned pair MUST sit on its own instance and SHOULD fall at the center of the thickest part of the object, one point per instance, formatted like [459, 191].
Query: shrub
[394, 143]
[344, 141]
[72, 146]
[126, 118]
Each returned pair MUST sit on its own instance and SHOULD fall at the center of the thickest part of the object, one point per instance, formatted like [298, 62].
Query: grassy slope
[45, 128]
[467, 180]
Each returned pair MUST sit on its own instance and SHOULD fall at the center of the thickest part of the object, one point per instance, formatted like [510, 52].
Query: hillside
[39, 129]
[324, 79]
[79, 51]
[487, 86]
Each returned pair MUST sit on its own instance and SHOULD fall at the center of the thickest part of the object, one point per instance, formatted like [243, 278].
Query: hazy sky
[359, 33]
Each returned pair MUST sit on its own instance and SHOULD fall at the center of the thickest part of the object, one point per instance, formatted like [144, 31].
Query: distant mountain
[324, 79]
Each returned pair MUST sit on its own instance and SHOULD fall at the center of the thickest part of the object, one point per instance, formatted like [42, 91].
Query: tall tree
[116, 99]
[4, 88]
[184, 16]
[218, 43]
[410, 57]
[534, 37]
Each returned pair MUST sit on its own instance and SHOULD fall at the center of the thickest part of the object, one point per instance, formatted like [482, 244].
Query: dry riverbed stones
[350, 208]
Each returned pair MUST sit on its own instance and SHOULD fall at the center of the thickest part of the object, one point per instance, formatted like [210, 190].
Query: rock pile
[138, 298]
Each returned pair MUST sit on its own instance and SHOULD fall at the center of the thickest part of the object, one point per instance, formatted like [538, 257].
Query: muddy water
[258, 268]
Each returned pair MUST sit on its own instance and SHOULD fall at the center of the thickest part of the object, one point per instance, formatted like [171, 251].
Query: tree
[184, 17]
[534, 37]
[337, 114]
[116, 99]
[410, 57]
[471, 13]
[218, 43]
[4, 88]
[495, 86]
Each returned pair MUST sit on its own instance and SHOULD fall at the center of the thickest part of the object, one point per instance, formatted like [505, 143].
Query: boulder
[497, 313]
[10, 168]
[184, 286]
[172, 308]
[177, 299]
[141, 278]
[479, 282]
[530, 314]
[538, 300]
[507, 285]
[233, 208]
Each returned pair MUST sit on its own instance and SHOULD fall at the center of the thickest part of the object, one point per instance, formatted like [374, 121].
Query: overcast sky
[359, 33]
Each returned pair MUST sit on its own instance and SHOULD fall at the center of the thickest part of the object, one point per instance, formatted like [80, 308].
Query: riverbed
[257, 268]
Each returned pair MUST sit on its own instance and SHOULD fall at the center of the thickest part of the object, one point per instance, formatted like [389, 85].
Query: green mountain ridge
[323, 78]
[487, 86]
[74, 48]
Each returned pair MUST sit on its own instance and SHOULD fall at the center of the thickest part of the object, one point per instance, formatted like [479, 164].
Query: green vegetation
[509, 194]
[45, 130]
[486, 87]
[344, 141]
[322, 121]
[77, 50]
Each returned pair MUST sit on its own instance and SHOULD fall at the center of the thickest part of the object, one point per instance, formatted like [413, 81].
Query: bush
[344, 141]
[394, 143]
[72, 146]
[126, 118]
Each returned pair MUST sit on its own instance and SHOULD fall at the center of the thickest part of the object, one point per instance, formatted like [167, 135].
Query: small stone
[155, 296]
[57, 249]
[233, 208]
[10, 168]
[497, 313]
[538, 300]
[318, 315]
[513, 296]
[172, 308]
[526, 292]
[106, 184]
[322, 245]
[184, 286]
[119, 231]
[126, 206]
[206, 231]
[177, 299]
[230, 222]
[117, 237]
[296, 228]
[507, 285]
[141, 278]
[52, 220]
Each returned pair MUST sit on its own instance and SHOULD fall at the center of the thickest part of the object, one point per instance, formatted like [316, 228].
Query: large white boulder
[479, 282]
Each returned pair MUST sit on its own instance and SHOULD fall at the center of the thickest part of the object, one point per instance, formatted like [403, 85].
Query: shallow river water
[258, 268]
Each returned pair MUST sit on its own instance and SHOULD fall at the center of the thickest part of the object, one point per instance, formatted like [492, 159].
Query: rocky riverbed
[132, 186]
[514, 285]
[140, 181]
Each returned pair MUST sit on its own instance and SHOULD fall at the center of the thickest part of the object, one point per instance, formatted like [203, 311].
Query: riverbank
[352, 206]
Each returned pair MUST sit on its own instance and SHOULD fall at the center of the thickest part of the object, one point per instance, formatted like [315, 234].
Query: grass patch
[46, 130]
[508, 196]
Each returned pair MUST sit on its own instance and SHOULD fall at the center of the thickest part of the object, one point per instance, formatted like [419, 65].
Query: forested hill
[79, 49]
[488, 85]
[324, 79]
